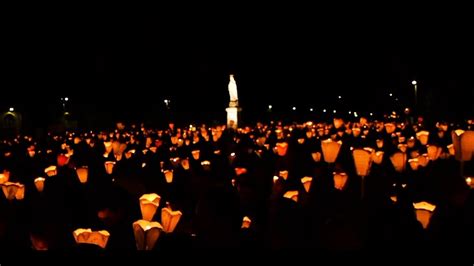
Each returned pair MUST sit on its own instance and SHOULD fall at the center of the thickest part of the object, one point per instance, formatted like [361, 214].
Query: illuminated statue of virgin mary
[234, 99]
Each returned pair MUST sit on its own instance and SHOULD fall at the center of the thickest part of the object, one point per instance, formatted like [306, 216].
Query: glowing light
[294, 108]
[413, 82]
[310, 109]
[324, 110]
[334, 111]
[270, 107]
[390, 95]
[66, 99]
[11, 109]
[340, 97]
[371, 114]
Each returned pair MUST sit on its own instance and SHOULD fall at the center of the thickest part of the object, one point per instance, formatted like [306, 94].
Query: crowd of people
[269, 185]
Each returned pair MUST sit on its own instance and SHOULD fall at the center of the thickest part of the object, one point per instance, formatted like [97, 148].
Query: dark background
[122, 66]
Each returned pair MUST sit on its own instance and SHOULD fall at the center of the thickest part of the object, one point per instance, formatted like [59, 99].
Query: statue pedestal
[233, 115]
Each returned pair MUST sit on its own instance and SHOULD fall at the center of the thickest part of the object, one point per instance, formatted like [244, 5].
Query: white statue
[233, 91]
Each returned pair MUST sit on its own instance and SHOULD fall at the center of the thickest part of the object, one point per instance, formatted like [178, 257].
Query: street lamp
[414, 83]
[11, 109]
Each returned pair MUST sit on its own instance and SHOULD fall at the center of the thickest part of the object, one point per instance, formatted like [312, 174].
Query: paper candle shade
[390, 128]
[316, 156]
[282, 148]
[423, 136]
[168, 176]
[129, 154]
[356, 131]
[292, 194]
[185, 164]
[206, 165]
[246, 222]
[307, 180]
[38, 243]
[109, 167]
[402, 147]
[394, 198]
[379, 143]
[13, 191]
[434, 152]
[424, 211]
[283, 174]
[4, 178]
[337, 122]
[399, 160]
[62, 159]
[377, 157]
[463, 142]
[87, 236]
[174, 140]
[451, 149]
[362, 161]
[414, 163]
[170, 219]
[39, 184]
[414, 154]
[116, 147]
[275, 179]
[146, 234]
[470, 182]
[330, 150]
[423, 160]
[196, 154]
[148, 205]
[82, 174]
[108, 146]
[51, 171]
[340, 180]
[240, 171]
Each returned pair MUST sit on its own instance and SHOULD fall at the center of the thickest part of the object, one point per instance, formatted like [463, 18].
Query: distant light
[270, 106]
[324, 110]
[396, 99]
[340, 97]
[334, 111]
[66, 99]
[413, 82]
[350, 112]
[355, 114]
[390, 95]
[294, 108]
[11, 109]
[166, 101]
[371, 114]
[310, 109]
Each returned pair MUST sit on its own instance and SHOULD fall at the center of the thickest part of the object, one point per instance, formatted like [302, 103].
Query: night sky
[360, 56]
